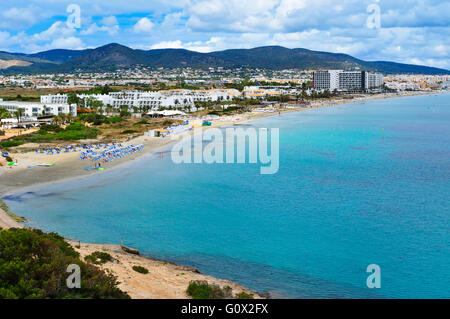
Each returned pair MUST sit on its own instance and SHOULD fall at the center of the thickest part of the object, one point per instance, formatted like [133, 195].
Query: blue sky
[409, 31]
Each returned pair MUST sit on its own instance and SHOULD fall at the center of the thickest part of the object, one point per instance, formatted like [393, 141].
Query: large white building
[54, 99]
[35, 109]
[178, 98]
[346, 80]
[375, 80]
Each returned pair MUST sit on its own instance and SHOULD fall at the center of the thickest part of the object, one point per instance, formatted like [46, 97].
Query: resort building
[54, 99]
[35, 109]
[375, 80]
[348, 81]
[326, 80]
[155, 100]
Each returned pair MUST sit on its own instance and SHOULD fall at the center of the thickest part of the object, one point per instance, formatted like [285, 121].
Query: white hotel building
[54, 99]
[346, 80]
[35, 109]
[178, 99]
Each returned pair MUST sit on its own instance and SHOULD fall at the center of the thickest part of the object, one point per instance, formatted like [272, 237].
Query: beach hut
[161, 132]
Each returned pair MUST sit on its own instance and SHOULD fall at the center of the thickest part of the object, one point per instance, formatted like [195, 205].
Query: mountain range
[115, 56]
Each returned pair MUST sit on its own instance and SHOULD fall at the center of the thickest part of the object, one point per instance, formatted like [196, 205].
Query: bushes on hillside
[50, 128]
[11, 143]
[140, 269]
[33, 264]
[201, 289]
[98, 257]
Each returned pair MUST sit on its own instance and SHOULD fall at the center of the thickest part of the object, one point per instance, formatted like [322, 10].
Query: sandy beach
[164, 280]
[68, 165]
[7, 221]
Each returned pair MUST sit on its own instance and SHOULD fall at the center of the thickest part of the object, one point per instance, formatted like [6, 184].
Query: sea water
[358, 184]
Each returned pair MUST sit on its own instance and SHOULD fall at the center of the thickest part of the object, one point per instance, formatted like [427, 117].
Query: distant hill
[59, 55]
[19, 62]
[115, 56]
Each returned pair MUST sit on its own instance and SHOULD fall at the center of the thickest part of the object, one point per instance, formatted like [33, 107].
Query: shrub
[33, 264]
[98, 257]
[129, 132]
[51, 128]
[114, 119]
[125, 114]
[11, 143]
[140, 269]
[94, 118]
[199, 289]
[142, 122]
[2, 133]
[76, 126]
[244, 295]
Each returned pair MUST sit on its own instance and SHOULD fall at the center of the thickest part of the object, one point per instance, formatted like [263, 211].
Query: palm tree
[56, 119]
[109, 109]
[69, 117]
[18, 114]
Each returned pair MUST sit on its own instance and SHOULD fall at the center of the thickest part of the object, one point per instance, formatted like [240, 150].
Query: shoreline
[164, 280]
[69, 167]
[130, 279]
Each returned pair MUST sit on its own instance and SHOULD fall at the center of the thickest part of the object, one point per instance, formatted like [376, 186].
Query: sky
[407, 31]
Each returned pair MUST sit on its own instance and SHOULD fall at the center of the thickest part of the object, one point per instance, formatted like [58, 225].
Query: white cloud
[412, 30]
[144, 25]
[177, 44]
[108, 24]
[57, 29]
[18, 18]
[110, 21]
[71, 43]
[58, 36]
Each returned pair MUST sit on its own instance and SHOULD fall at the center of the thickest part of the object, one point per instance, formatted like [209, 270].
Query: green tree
[4, 113]
[73, 99]
[33, 264]
[18, 114]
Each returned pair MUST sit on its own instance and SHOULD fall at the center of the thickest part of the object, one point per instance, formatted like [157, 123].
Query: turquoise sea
[358, 184]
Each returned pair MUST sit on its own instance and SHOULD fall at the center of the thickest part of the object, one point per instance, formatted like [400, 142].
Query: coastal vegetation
[140, 269]
[129, 132]
[244, 295]
[33, 264]
[98, 257]
[4, 113]
[200, 289]
[51, 133]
